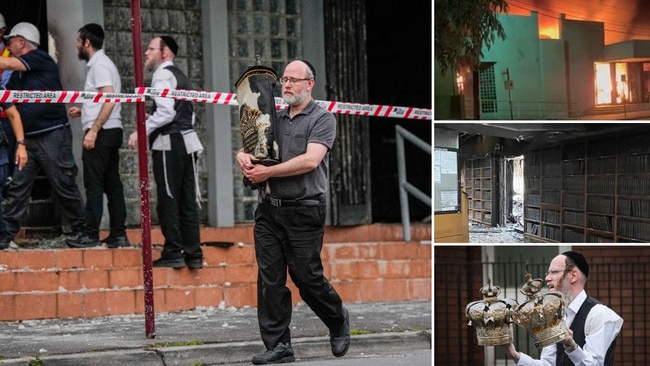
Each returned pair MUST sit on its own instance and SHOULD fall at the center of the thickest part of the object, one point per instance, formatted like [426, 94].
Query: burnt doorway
[347, 76]
[514, 193]
[399, 74]
[32, 11]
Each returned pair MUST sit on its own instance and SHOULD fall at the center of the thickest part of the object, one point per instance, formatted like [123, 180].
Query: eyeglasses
[553, 273]
[287, 80]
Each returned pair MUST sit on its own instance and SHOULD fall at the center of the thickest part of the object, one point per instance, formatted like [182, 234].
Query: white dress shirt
[101, 72]
[164, 113]
[601, 328]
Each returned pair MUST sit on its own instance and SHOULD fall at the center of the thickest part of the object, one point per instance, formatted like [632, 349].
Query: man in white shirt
[593, 327]
[103, 134]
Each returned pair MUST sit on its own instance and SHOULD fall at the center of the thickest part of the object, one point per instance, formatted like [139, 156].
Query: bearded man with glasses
[290, 219]
[593, 327]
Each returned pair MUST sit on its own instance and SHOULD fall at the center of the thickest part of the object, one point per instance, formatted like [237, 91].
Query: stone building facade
[218, 40]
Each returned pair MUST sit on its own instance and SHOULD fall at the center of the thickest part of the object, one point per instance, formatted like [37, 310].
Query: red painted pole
[145, 222]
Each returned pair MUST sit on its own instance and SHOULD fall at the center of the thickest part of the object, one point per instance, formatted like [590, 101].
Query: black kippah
[579, 260]
[311, 67]
[94, 29]
[169, 42]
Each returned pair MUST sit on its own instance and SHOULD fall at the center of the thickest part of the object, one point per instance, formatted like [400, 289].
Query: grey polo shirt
[315, 124]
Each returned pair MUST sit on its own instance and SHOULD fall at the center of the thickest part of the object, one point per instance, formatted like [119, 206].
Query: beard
[83, 55]
[151, 65]
[295, 99]
[565, 290]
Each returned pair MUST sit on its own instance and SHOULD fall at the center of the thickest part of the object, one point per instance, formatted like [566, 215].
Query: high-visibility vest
[5, 53]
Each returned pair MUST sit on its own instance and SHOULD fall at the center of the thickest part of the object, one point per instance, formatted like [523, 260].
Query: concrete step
[364, 264]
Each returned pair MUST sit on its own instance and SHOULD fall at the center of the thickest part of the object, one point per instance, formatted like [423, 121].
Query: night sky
[624, 19]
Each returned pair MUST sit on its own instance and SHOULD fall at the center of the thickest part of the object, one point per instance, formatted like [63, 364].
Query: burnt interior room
[562, 182]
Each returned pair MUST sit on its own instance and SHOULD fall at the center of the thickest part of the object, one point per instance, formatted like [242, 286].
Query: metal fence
[405, 187]
[624, 286]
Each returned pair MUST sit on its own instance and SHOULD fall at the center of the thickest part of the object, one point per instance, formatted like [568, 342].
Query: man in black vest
[174, 149]
[593, 327]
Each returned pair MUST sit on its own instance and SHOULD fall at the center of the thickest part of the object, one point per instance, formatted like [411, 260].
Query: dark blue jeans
[102, 175]
[291, 237]
[51, 152]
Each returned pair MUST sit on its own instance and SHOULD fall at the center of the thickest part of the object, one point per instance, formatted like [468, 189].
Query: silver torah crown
[493, 317]
[541, 315]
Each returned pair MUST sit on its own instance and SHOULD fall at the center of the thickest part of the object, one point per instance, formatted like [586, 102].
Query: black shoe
[83, 242]
[340, 340]
[194, 263]
[117, 242]
[282, 353]
[176, 263]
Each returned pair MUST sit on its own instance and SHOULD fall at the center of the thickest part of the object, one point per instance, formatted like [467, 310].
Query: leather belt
[278, 202]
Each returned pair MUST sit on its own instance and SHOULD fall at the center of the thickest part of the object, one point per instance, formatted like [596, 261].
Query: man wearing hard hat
[48, 136]
[11, 127]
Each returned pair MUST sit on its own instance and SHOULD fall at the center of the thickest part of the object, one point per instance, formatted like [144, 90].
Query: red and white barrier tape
[62, 96]
[373, 110]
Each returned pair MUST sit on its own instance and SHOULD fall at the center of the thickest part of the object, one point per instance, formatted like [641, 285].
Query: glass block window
[269, 28]
[488, 90]
[273, 30]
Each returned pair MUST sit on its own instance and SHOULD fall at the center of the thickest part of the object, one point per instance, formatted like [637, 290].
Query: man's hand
[21, 156]
[74, 112]
[510, 351]
[133, 140]
[255, 173]
[569, 343]
[89, 139]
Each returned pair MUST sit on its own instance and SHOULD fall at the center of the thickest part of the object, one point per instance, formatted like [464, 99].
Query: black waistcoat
[184, 109]
[578, 328]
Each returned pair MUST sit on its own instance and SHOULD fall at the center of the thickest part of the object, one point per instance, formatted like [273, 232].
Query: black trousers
[291, 237]
[102, 175]
[178, 211]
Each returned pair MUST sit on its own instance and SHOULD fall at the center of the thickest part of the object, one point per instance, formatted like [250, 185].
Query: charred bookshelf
[595, 190]
[480, 180]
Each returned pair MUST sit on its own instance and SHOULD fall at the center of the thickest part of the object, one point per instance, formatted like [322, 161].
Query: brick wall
[64, 283]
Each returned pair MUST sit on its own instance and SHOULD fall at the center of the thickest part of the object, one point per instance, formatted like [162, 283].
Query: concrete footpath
[209, 336]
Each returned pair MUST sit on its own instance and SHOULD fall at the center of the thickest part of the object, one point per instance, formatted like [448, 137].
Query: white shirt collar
[574, 306]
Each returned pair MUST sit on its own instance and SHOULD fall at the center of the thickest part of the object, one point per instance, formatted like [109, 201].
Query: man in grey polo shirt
[290, 219]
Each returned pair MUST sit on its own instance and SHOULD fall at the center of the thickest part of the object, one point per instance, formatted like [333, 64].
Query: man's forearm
[102, 117]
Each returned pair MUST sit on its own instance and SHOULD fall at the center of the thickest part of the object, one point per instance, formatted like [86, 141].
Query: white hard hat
[2, 22]
[27, 31]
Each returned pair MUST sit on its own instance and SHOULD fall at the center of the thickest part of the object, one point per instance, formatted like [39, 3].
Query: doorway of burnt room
[513, 193]
[32, 11]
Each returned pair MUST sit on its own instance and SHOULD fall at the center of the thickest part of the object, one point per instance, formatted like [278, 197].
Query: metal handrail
[405, 187]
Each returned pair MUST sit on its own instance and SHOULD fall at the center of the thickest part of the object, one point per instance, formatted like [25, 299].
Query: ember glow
[624, 19]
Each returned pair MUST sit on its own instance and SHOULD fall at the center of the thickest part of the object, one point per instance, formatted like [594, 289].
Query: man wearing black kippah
[290, 220]
[174, 150]
[593, 327]
[103, 136]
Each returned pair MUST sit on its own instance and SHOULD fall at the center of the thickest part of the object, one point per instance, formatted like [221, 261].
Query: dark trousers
[7, 157]
[51, 152]
[177, 209]
[291, 237]
[102, 175]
